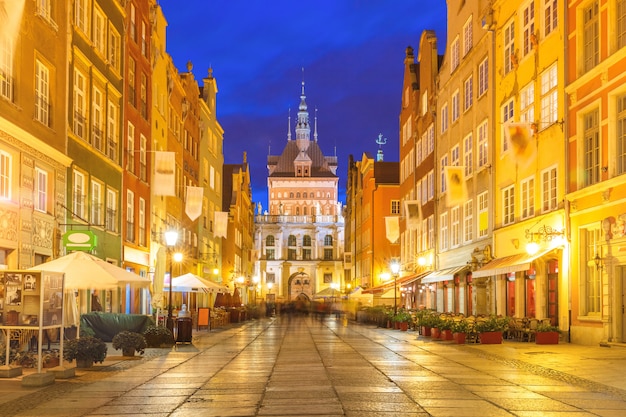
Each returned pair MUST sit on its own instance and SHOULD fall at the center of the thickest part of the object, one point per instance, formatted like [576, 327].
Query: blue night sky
[352, 52]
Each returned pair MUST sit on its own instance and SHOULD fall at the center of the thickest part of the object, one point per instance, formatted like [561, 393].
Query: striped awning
[444, 274]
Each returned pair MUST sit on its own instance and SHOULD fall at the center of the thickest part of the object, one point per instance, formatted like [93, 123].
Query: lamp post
[255, 281]
[170, 240]
[395, 269]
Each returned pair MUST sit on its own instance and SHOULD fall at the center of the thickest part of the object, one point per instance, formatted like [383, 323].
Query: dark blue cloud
[352, 52]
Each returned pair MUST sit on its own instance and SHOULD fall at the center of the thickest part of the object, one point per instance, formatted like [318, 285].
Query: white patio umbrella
[192, 283]
[87, 272]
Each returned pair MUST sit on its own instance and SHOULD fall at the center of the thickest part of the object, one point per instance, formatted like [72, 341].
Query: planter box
[459, 338]
[435, 333]
[426, 331]
[446, 335]
[490, 338]
[547, 338]
[404, 326]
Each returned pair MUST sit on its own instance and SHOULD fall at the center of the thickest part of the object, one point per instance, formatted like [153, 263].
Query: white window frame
[42, 93]
[6, 69]
[508, 205]
[468, 154]
[620, 133]
[550, 16]
[590, 36]
[444, 117]
[468, 221]
[96, 203]
[620, 23]
[483, 76]
[549, 189]
[130, 216]
[78, 195]
[455, 156]
[527, 198]
[455, 106]
[97, 115]
[528, 27]
[591, 148]
[468, 41]
[482, 143]
[454, 56]
[81, 16]
[455, 225]
[508, 113]
[80, 106]
[527, 103]
[468, 88]
[483, 212]
[508, 46]
[41, 190]
[111, 211]
[6, 166]
[444, 238]
[430, 178]
[443, 164]
[99, 31]
[549, 96]
[142, 222]
[143, 158]
[112, 130]
[130, 148]
[115, 42]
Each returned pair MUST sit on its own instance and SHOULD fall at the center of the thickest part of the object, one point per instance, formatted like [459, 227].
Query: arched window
[291, 240]
[305, 210]
[269, 240]
[298, 195]
[291, 250]
[306, 247]
[290, 195]
[269, 249]
[328, 248]
[306, 240]
[297, 211]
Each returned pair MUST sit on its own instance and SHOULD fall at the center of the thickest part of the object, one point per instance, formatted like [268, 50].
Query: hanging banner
[521, 143]
[221, 224]
[11, 20]
[164, 181]
[392, 228]
[413, 213]
[457, 191]
[193, 205]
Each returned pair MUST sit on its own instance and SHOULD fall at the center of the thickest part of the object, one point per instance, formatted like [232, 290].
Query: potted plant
[426, 322]
[403, 318]
[50, 358]
[460, 329]
[129, 342]
[445, 327]
[435, 331]
[158, 336]
[86, 350]
[490, 330]
[547, 334]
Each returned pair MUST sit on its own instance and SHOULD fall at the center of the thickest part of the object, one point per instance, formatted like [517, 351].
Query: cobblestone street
[303, 367]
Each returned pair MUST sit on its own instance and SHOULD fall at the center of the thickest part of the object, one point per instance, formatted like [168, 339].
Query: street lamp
[255, 281]
[395, 269]
[170, 240]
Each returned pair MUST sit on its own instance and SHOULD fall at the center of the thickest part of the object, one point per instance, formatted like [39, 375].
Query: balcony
[281, 218]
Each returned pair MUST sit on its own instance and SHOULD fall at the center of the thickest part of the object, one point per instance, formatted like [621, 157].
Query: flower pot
[426, 331]
[547, 338]
[435, 332]
[490, 338]
[459, 338]
[52, 363]
[404, 326]
[84, 363]
[128, 352]
[446, 335]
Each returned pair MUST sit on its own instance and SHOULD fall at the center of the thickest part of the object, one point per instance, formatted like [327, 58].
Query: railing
[96, 137]
[281, 218]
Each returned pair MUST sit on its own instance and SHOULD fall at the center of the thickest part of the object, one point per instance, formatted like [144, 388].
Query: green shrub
[126, 340]
[157, 336]
[85, 348]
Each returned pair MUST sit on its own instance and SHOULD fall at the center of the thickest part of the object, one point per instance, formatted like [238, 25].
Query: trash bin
[183, 330]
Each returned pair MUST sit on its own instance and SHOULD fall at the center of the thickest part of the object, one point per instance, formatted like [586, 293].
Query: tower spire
[289, 125]
[315, 132]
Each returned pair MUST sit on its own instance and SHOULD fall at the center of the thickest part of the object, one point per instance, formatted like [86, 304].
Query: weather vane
[380, 141]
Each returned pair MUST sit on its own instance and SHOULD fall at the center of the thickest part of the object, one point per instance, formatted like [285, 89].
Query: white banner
[221, 224]
[392, 228]
[457, 190]
[11, 20]
[164, 181]
[193, 205]
[412, 214]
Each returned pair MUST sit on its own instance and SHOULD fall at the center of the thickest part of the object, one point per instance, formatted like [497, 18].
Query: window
[455, 238]
[78, 197]
[144, 40]
[424, 188]
[132, 65]
[130, 216]
[455, 106]
[454, 55]
[114, 48]
[142, 222]
[591, 37]
[111, 219]
[5, 175]
[468, 221]
[468, 154]
[483, 214]
[509, 47]
[306, 247]
[132, 31]
[99, 32]
[96, 203]
[528, 197]
[431, 232]
[482, 144]
[79, 103]
[291, 240]
[507, 116]
[41, 190]
[455, 156]
[269, 247]
[549, 96]
[527, 103]
[443, 234]
[508, 205]
[112, 133]
[420, 155]
[42, 93]
[621, 134]
[550, 16]
[528, 28]
[548, 189]
[328, 240]
[593, 284]
[620, 23]
[143, 168]
[467, 36]
[328, 254]
[431, 184]
[97, 109]
[469, 93]
[444, 117]
[269, 240]
[483, 77]
[80, 15]
[44, 9]
[143, 107]
[443, 164]
[130, 148]
[6, 68]
[395, 206]
[430, 144]
[591, 148]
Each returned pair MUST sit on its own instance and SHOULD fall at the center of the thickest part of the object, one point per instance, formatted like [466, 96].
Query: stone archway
[299, 286]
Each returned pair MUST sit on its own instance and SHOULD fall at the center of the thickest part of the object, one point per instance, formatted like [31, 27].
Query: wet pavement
[303, 367]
